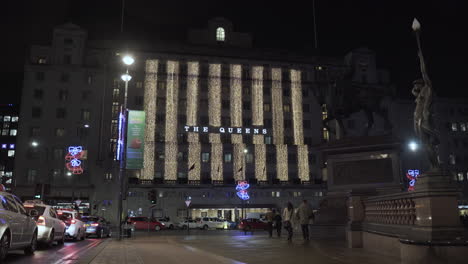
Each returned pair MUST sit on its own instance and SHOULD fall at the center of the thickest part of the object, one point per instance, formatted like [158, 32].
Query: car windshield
[65, 216]
[90, 218]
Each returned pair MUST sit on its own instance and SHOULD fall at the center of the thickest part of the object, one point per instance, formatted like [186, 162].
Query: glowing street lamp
[413, 146]
[34, 144]
[128, 60]
[126, 77]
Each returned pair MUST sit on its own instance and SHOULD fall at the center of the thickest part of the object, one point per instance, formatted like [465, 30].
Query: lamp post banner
[135, 139]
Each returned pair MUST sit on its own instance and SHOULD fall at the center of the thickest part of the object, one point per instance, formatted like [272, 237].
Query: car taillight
[41, 221]
[73, 221]
[95, 224]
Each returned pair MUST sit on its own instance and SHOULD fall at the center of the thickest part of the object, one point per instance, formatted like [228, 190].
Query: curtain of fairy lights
[303, 162]
[282, 162]
[214, 104]
[277, 106]
[192, 110]
[151, 79]
[296, 100]
[172, 88]
[278, 125]
[236, 120]
[257, 120]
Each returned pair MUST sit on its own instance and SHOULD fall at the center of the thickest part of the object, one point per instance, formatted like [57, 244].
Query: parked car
[18, 229]
[252, 223]
[212, 223]
[50, 228]
[167, 223]
[96, 225]
[143, 223]
[189, 223]
[75, 227]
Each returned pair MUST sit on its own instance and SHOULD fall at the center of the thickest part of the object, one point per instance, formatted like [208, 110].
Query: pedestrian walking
[288, 219]
[304, 214]
[278, 222]
[269, 218]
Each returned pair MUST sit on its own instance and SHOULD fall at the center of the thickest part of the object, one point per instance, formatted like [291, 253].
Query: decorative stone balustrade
[393, 212]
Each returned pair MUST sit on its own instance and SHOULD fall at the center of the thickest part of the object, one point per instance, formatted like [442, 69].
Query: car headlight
[163, 224]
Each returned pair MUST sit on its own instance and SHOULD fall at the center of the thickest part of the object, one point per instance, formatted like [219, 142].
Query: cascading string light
[194, 147]
[171, 145]
[214, 104]
[150, 95]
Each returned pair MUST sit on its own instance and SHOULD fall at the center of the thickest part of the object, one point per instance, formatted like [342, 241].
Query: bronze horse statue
[343, 97]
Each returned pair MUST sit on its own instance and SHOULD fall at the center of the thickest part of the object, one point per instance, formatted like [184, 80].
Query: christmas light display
[151, 79]
[172, 98]
[412, 176]
[73, 162]
[241, 188]
[192, 120]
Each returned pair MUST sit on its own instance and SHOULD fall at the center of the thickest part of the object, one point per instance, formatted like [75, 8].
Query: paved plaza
[223, 246]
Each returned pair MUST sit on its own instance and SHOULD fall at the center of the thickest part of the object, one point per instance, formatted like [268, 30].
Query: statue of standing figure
[423, 117]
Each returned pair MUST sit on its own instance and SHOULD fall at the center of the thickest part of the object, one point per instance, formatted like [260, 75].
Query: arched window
[220, 34]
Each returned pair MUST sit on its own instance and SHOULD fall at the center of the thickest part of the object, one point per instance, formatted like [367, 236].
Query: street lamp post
[127, 60]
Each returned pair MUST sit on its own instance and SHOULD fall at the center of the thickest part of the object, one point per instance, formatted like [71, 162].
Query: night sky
[383, 26]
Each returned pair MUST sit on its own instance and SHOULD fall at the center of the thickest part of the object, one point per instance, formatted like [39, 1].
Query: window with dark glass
[205, 157]
[85, 95]
[38, 93]
[63, 95]
[64, 77]
[66, 59]
[40, 76]
[85, 114]
[68, 41]
[60, 113]
[287, 123]
[36, 112]
[306, 108]
[307, 123]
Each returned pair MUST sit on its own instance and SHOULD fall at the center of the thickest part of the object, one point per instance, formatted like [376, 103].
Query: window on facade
[182, 175]
[305, 92]
[307, 123]
[108, 176]
[139, 100]
[267, 122]
[350, 123]
[266, 107]
[85, 115]
[454, 127]
[36, 112]
[306, 108]
[286, 92]
[60, 113]
[286, 108]
[287, 123]
[41, 60]
[67, 59]
[13, 132]
[85, 95]
[115, 94]
[268, 140]
[225, 104]
[4, 132]
[31, 176]
[60, 132]
[11, 153]
[38, 94]
[56, 173]
[64, 77]
[139, 85]
[227, 157]
[460, 176]
[463, 127]
[220, 34]
[205, 157]
[14, 119]
[40, 76]
[249, 158]
[58, 154]
[35, 131]
[68, 41]
[6, 118]
[63, 95]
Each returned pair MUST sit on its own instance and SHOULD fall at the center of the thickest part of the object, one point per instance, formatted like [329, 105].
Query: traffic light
[152, 196]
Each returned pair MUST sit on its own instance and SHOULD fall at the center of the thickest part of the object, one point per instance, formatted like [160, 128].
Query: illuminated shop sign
[73, 159]
[227, 130]
[412, 176]
[241, 189]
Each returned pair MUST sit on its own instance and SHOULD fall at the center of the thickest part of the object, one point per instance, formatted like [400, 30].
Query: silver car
[18, 229]
[50, 227]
